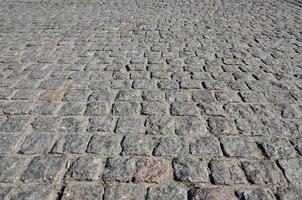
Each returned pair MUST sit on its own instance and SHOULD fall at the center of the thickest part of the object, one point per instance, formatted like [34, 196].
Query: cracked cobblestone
[150, 100]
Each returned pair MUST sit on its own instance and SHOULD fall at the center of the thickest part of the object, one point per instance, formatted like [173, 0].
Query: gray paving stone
[9, 142]
[190, 170]
[119, 169]
[171, 146]
[166, 192]
[130, 125]
[105, 145]
[138, 145]
[205, 146]
[37, 143]
[11, 168]
[71, 143]
[226, 173]
[82, 191]
[160, 125]
[263, 172]
[84, 169]
[43, 168]
[277, 148]
[211, 193]
[292, 170]
[33, 193]
[239, 147]
[256, 193]
[126, 108]
[125, 191]
[105, 123]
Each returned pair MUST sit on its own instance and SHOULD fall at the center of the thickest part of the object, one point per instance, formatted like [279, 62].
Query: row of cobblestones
[150, 100]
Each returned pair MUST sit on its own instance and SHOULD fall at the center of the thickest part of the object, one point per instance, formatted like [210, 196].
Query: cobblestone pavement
[150, 100]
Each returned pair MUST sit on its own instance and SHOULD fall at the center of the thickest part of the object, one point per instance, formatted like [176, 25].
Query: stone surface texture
[150, 99]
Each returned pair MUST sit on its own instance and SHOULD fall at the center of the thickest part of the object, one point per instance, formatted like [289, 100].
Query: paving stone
[5, 192]
[119, 169]
[100, 124]
[256, 193]
[292, 170]
[26, 94]
[11, 168]
[72, 109]
[45, 108]
[130, 125]
[15, 124]
[205, 146]
[239, 147]
[9, 142]
[128, 95]
[290, 193]
[152, 170]
[263, 172]
[33, 193]
[154, 108]
[43, 168]
[104, 145]
[166, 192]
[138, 145]
[298, 144]
[226, 173]
[211, 194]
[277, 148]
[190, 170]
[84, 168]
[171, 146]
[71, 143]
[221, 125]
[126, 108]
[45, 123]
[185, 109]
[37, 143]
[76, 95]
[101, 95]
[72, 124]
[190, 126]
[153, 95]
[98, 108]
[85, 192]
[125, 191]
[160, 125]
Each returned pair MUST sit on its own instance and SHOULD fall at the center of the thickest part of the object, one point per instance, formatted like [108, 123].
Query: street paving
[150, 100]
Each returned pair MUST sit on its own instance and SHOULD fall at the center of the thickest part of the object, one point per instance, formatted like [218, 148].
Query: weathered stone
[292, 170]
[263, 172]
[226, 173]
[71, 143]
[84, 192]
[205, 146]
[185, 109]
[160, 125]
[171, 146]
[138, 145]
[8, 142]
[166, 192]
[278, 148]
[84, 169]
[43, 168]
[11, 168]
[125, 191]
[190, 126]
[101, 124]
[211, 194]
[256, 194]
[130, 125]
[119, 169]
[105, 145]
[126, 108]
[152, 170]
[190, 170]
[37, 143]
[239, 147]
